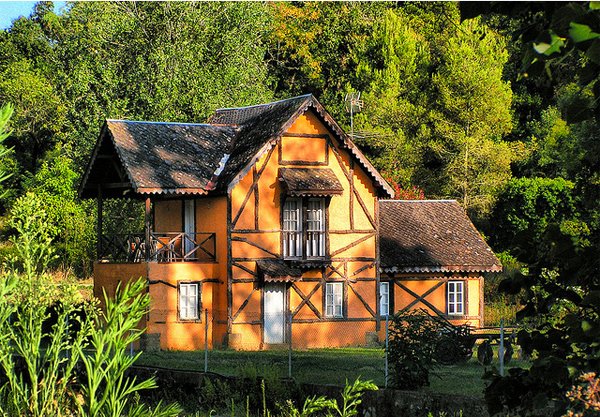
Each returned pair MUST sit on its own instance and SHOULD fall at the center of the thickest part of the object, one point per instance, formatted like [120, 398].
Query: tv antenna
[353, 105]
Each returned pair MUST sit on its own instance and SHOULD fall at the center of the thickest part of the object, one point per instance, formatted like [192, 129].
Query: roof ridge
[164, 123]
[264, 104]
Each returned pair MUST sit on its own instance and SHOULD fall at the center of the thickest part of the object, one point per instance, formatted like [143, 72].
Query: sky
[11, 10]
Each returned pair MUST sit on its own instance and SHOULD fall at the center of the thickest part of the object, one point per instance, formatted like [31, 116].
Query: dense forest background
[497, 109]
[449, 108]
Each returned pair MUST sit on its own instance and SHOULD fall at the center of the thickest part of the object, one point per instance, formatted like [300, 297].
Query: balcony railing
[164, 247]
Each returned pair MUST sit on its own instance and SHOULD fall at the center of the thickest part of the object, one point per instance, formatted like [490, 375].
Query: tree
[563, 254]
[389, 126]
[6, 112]
[471, 116]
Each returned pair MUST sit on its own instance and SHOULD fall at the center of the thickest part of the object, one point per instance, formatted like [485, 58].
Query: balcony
[163, 247]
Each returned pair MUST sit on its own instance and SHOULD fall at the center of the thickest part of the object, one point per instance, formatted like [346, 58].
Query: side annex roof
[431, 236]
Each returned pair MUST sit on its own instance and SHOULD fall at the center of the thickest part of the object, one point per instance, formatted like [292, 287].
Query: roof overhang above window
[315, 182]
[274, 270]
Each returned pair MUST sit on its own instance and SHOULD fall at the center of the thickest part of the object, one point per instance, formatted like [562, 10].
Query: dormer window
[304, 228]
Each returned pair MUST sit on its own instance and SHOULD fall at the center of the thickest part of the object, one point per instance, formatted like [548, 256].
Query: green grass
[323, 366]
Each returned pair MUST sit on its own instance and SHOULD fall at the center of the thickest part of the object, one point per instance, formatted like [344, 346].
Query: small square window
[189, 301]
[455, 298]
[334, 299]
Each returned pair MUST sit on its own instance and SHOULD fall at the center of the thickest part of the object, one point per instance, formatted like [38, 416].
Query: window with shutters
[304, 228]
[189, 301]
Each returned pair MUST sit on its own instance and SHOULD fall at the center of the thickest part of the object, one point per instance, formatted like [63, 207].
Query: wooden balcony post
[147, 228]
[99, 225]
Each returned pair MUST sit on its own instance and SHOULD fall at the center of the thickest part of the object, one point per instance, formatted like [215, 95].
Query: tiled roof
[199, 158]
[276, 270]
[310, 181]
[167, 157]
[431, 236]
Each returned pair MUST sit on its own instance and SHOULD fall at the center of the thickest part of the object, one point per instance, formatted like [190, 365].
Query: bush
[419, 341]
[412, 341]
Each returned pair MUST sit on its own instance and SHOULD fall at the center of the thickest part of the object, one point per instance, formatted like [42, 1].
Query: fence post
[289, 326]
[205, 340]
[501, 348]
[387, 333]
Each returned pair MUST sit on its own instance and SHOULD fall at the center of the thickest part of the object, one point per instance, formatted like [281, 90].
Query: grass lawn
[324, 366]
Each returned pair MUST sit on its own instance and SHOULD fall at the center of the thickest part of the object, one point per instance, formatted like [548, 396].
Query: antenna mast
[353, 105]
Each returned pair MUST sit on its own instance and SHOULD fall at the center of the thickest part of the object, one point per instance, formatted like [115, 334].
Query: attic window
[307, 182]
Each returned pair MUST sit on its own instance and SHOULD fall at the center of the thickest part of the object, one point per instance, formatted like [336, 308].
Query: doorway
[274, 313]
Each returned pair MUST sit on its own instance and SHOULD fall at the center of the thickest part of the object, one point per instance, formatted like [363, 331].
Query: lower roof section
[431, 236]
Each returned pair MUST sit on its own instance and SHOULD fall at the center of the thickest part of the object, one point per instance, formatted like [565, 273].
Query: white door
[189, 228]
[274, 313]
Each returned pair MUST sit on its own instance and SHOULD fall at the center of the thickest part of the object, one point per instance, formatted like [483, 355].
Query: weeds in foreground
[47, 332]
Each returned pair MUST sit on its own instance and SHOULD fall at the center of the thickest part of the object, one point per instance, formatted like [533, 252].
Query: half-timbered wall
[429, 292]
[256, 203]
[164, 278]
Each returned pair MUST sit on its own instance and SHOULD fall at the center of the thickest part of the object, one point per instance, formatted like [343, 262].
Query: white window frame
[384, 298]
[292, 228]
[455, 298]
[315, 228]
[334, 299]
[304, 228]
[189, 302]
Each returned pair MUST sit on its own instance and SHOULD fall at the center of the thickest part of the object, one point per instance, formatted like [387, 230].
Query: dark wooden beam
[147, 226]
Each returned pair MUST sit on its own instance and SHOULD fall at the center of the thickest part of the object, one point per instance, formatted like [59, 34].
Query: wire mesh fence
[307, 349]
[269, 345]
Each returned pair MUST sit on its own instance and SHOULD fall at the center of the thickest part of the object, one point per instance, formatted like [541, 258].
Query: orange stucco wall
[108, 276]
[351, 236]
[168, 216]
[421, 283]
[163, 278]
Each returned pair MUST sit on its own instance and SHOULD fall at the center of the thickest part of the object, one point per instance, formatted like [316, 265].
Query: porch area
[157, 246]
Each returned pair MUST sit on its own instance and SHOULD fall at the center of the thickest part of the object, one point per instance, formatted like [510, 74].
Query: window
[456, 297]
[304, 228]
[189, 301]
[333, 299]
[384, 298]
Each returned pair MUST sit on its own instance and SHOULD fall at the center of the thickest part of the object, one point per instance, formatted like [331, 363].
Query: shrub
[413, 338]
[419, 341]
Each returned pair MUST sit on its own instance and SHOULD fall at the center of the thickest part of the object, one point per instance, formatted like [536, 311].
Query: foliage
[471, 116]
[504, 308]
[419, 342]
[105, 388]
[34, 234]
[411, 353]
[74, 241]
[528, 208]
[454, 344]
[6, 112]
[584, 397]
[40, 365]
[351, 399]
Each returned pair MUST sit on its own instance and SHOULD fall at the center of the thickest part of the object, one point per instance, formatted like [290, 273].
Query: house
[266, 224]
